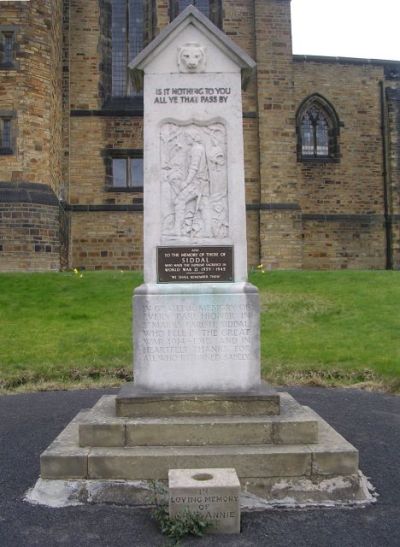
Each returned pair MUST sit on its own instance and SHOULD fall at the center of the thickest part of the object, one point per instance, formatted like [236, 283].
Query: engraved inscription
[194, 95]
[196, 332]
[194, 182]
[211, 505]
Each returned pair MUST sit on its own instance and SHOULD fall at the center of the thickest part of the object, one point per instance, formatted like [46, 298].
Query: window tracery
[318, 130]
[127, 34]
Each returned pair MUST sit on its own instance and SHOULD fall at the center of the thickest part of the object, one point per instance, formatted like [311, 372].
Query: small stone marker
[214, 494]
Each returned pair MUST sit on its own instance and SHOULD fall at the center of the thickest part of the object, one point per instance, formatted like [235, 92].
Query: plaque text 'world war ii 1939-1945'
[195, 264]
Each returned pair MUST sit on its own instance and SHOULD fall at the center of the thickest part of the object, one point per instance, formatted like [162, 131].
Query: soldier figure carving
[194, 181]
[196, 186]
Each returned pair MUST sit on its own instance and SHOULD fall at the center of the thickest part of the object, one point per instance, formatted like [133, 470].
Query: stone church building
[322, 139]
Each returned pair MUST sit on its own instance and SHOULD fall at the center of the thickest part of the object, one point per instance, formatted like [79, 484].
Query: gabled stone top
[192, 16]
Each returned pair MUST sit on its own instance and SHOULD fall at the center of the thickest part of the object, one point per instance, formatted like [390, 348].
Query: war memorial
[197, 401]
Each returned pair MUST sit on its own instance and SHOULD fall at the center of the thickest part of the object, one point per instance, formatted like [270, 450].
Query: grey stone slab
[198, 431]
[64, 459]
[295, 432]
[101, 427]
[256, 493]
[154, 462]
[294, 425]
[136, 402]
[101, 434]
[305, 491]
[333, 455]
[103, 410]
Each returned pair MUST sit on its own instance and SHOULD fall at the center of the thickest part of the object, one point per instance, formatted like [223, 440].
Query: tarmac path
[30, 422]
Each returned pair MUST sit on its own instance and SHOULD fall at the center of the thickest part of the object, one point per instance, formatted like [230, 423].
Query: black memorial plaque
[195, 264]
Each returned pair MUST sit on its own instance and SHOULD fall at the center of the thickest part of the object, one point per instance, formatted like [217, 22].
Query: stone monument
[197, 400]
[196, 317]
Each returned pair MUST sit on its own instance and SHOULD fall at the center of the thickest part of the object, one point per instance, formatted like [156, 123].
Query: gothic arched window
[210, 8]
[317, 130]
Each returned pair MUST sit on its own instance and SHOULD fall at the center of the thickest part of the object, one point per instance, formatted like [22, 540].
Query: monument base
[196, 337]
[134, 401]
[289, 458]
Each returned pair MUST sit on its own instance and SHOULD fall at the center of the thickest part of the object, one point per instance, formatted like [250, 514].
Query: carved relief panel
[194, 200]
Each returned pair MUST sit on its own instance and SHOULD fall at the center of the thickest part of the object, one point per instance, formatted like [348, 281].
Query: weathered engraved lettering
[218, 502]
[193, 95]
[194, 186]
[197, 332]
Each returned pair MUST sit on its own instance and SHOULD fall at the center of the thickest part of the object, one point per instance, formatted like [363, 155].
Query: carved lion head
[191, 58]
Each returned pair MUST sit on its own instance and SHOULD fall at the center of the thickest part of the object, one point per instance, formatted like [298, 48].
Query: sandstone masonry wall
[29, 228]
[31, 89]
[279, 216]
[343, 203]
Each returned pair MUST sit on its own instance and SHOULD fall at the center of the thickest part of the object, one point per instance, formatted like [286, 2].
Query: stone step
[332, 456]
[132, 401]
[102, 428]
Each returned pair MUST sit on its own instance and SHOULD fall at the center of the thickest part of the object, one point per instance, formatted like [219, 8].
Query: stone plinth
[213, 494]
[133, 401]
[293, 455]
[197, 337]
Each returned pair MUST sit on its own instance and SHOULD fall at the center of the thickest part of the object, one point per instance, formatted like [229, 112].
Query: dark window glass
[322, 137]
[136, 180]
[6, 144]
[119, 47]
[8, 47]
[119, 173]
[307, 136]
[209, 8]
[6, 134]
[201, 5]
[127, 173]
[127, 33]
[136, 26]
[314, 133]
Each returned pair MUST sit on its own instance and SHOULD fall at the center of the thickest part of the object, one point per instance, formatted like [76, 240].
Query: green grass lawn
[331, 328]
